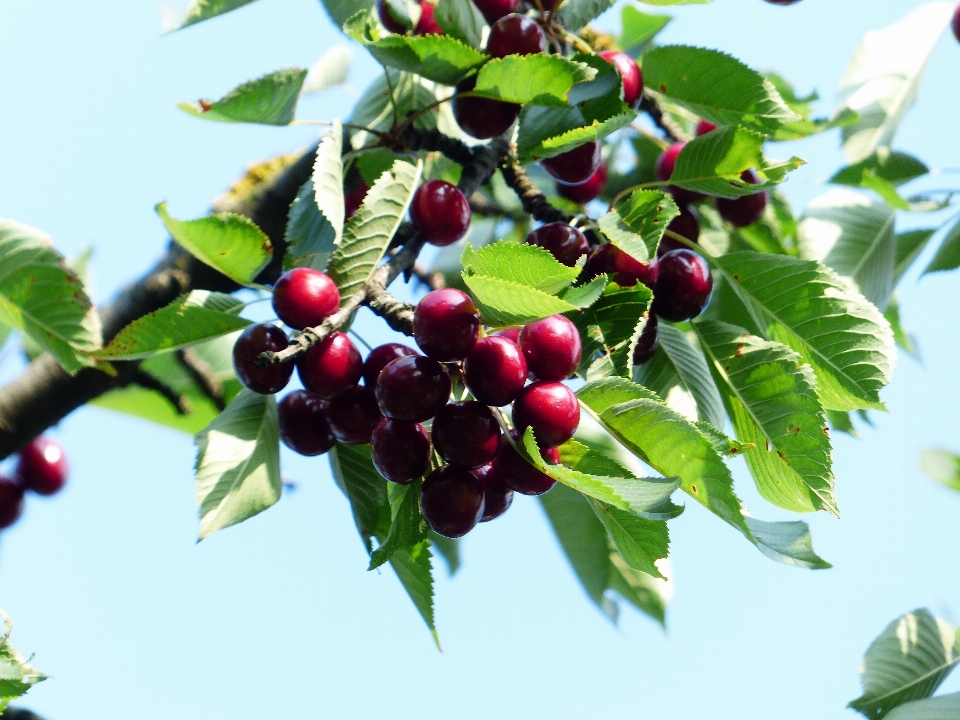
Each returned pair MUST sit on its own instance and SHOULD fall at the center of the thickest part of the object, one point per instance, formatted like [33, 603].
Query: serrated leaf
[353, 470]
[369, 232]
[230, 244]
[505, 303]
[639, 27]
[268, 100]
[238, 463]
[42, 297]
[462, 20]
[176, 18]
[639, 541]
[942, 466]
[724, 446]
[329, 71]
[522, 263]
[583, 296]
[439, 58]
[608, 326]
[637, 222]
[716, 87]
[532, 79]
[16, 674]
[577, 13]
[646, 593]
[948, 254]
[943, 707]
[407, 526]
[415, 572]
[786, 542]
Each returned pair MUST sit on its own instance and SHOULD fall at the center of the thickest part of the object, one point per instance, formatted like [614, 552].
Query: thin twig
[147, 381]
[661, 120]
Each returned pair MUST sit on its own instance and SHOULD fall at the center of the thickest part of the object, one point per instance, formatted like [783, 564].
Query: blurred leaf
[786, 542]
[449, 549]
[646, 593]
[941, 465]
[841, 421]
[904, 340]
[895, 167]
[532, 79]
[577, 13]
[268, 100]
[462, 20]
[341, 10]
[909, 246]
[943, 707]
[639, 541]
[174, 17]
[637, 222]
[948, 255]
[16, 675]
[639, 27]
[329, 71]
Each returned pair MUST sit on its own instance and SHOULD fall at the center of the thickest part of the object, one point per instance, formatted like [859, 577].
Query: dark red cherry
[586, 191]
[497, 495]
[551, 348]
[684, 286]
[427, 25]
[630, 271]
[703, 127]
[440, 212]
[745, 210]
[516, 35]
[520, 475]
[353, 414]
[783, 2]
[451, 501]
[412, 388]
[331, 366]
[550, 408]
[664, 171]
[565, 242]
[648, 342]
[687, 224]
[304, 297]
[400, 450]
[495, 370]
[389, 20]
[379, 357]
[482, 118]
[493, 10]
[11, 502]
[630, 75]
[303, 423]
[353, 199]
[574, 166]
[253, 341]
[955, 24]
[446, 324]
[42, 467]
[466, 434]
[547, 5]
[511, 333]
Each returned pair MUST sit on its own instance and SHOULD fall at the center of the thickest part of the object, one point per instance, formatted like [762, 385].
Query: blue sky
[132, 618]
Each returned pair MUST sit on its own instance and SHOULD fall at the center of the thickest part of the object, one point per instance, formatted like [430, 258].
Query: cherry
[509, 333]
[482, 118]
[303, 423]
[11, 502]
[664, 171]
[648, 342]
[466, 434]
[400, 450]
[516, 35]
[253, 341]
[495, 370]
[551, 348]
[427, 25]
[630, 75]
[331, 366]
[547, 5]
[684, 286]
[687, 224]
[412, 388]
[565, 242]
[497, 495]
[574, 166]
[955, 24]
[703, 127]
[390, 21]
[451, 501]
[42, 467]
[304, 297]
[745, 210]
[550, 408]
[353, 199]
[446, 324]
[379, 357]
[353, 414]
[622, 268]
[440, 212]
[586, 191]
[493, 10]
[783, 2]
[520, 475]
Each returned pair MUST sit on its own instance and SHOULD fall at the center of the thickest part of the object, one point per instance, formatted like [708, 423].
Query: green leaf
[896, 168]
[16, 675]
[329, 71]
[637, 222]
[807, 307]
[941, 465]
[646, 593]
[42, 297]
[230, 244]
[639, 541]
[505, 303]
[880, 86]
[772, 400]
[942, 707]
[716, 87]
[532, 79]
[341, 10]
[407, 526]
[366, 490]
[378, 107]
[841, 421]
[909, 246]
[369, 232]
[908, 661]
[577, 13]
[639, 27]
[176, 18]
[268, 100]
[449, 549]
[662, 3]
[786, 542]
[522, 263]
[608, 327]
[948, 255]
[462, 20]
[439, 58]
[413, 568]
[905, 340]
[724, 446]
[238, 463]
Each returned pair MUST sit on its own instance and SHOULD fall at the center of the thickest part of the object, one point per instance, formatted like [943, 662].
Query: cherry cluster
[41, 468]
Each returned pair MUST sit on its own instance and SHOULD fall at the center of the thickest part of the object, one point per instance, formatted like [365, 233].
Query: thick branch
[661, 120]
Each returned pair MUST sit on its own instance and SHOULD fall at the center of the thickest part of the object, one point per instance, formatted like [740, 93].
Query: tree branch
[534, 202]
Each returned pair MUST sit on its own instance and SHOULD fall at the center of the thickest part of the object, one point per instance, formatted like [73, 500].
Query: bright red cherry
[427, 25]
[304, 297]
[574, 166]
[684, 286]
[550, 408]
[497, 495]
[253, 341]
[551, 348]
[482, 118]
[495, 370]
[586, 191]
[648, 342]
[703, 127]
[42, 467]
[466, 434]
[331, 366]
[509, 333]
[745, 210]
[516, 35]
[520, 475]
[565, 242]
[400, 450]
[440, 212]
[412, 388]
[353, 199]
[493, 10]
[390, 21]
[446, 324]
[303, 423]
[353, 414]
[664, 171]
[379, 357]
[630, 75]
[451, 501]
[11, 502]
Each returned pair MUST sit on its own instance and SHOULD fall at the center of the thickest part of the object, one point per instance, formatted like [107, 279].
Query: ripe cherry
[630, 75]
[331, 366]
[497, 495]
[379, 357]
[586, 191]
[687, 224]
[510, 333]
[664, 171]
[516, 34]
[745, 210]
[493, 10]
[390, 21]
[353, 414]
[574, 166]
[42, 467]
[466, 434]
[955, 24]
[304, 297]
[482, 118]
[303, 423]
[520, 475]
[11, 502]
[703, 127]
[495, 370]
[783, 2]
[451, 501]
[400, 450]
[648, 342]
[550, 408]
[551, 348]
[353, 199]
[412, 388]
[253, 341]
[621, 267]
[427, 24]
[684, 286]
[446, 324]
[565, 242]
[440, 212]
